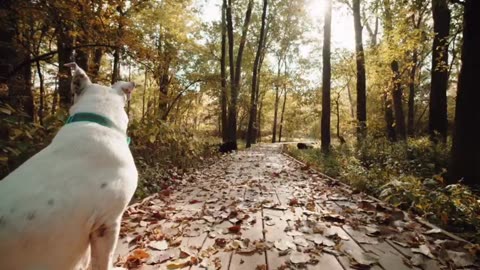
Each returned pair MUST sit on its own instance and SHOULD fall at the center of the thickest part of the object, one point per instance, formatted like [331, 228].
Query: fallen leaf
[194, 201]
[461, 259]
[283, 245]
[158, 245]
[177, 264]
[261, 267]
[209, 219]
[434, 231]
[333, 218]
[220, 242]
[294, 233]
[159, 258]
[234, 229]
[293, 202]
[321, 240]
[425, 250]
[299, 257]
[270, 223]
[300, 241]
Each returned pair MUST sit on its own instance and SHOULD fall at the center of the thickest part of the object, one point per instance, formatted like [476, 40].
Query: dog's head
[81, 83]
[91, 97]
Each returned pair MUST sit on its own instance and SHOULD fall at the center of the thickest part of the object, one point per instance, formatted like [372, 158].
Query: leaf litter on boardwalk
[157, 229]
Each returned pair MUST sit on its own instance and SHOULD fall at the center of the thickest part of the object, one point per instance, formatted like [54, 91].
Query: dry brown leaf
[299, 257]
[283, 245]
[158, 245]
[425, 250]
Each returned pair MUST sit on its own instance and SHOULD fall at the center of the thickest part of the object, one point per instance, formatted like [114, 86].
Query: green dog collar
[95, 118]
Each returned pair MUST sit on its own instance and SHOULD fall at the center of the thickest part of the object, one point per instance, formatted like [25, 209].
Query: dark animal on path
[228, 147]
[304, 146]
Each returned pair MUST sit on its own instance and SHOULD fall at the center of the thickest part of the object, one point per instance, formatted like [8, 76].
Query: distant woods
[257, 70]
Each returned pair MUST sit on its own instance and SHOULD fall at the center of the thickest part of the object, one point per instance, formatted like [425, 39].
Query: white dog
[72, 194]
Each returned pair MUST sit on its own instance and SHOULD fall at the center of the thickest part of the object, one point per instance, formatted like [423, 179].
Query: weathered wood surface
[259, 209]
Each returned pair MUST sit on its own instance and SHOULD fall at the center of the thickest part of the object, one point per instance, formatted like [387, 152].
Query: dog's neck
[104, 104]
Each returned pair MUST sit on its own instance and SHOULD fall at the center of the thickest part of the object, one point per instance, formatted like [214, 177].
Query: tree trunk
[389, 119]
[144, 94]
[97, 62]
[223, 74]
[282, 114]
[397, 97]
[41, 106]
[235, 89]
[118, 48]
[411, 95]
[252, 125]
[65, 53]
[116, 65]
[82, 55]
[259, 120]
[11, 54]
[277, 100]
[361, 80]
[350, 100]
[55, 97]
[466, 149]
[438, 120]
[337, 107]
[326, 80]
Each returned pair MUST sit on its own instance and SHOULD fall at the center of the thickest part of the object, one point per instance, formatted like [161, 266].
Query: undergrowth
[161, 152]
[408, 175]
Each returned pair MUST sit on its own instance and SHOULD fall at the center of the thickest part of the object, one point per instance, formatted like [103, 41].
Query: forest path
[259, 209]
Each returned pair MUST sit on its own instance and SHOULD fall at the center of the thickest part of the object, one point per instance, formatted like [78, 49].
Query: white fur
[72, 194]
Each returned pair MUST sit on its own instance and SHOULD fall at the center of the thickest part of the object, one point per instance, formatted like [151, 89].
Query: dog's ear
[125, 88]
[80, 80]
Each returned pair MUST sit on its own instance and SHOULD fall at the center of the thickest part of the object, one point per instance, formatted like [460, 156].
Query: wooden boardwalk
[259, 209]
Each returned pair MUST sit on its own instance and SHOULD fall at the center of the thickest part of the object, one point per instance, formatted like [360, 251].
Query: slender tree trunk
[259, 115]
[466, 149]
[394, 102]
[65, 54]
[235, 89]
[361, 80]
[55, 97]
[252, 125]
[118, 48]
[350, 100]
[81, 55]
[97, 62]
[438, 120]
[282, 114]
[411, 95]
[326, 80]
[41, 106]
[164, 84]
[144, 94]
[397, 97]
[116, 65]
[337, 107]
[375, 32]
[277, 100]
[223, 74]
[389, 119]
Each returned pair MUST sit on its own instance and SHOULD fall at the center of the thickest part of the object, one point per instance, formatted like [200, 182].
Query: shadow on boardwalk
[259, 209]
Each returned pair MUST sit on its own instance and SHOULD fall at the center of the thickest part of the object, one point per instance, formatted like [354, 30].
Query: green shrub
[409, 175]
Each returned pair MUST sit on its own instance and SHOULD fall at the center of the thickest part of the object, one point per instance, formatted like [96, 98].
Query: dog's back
[42, 213]
[71, 193]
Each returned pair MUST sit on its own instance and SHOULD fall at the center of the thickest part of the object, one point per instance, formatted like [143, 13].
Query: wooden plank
[389, 258]
[253, 232]
[275, 233]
